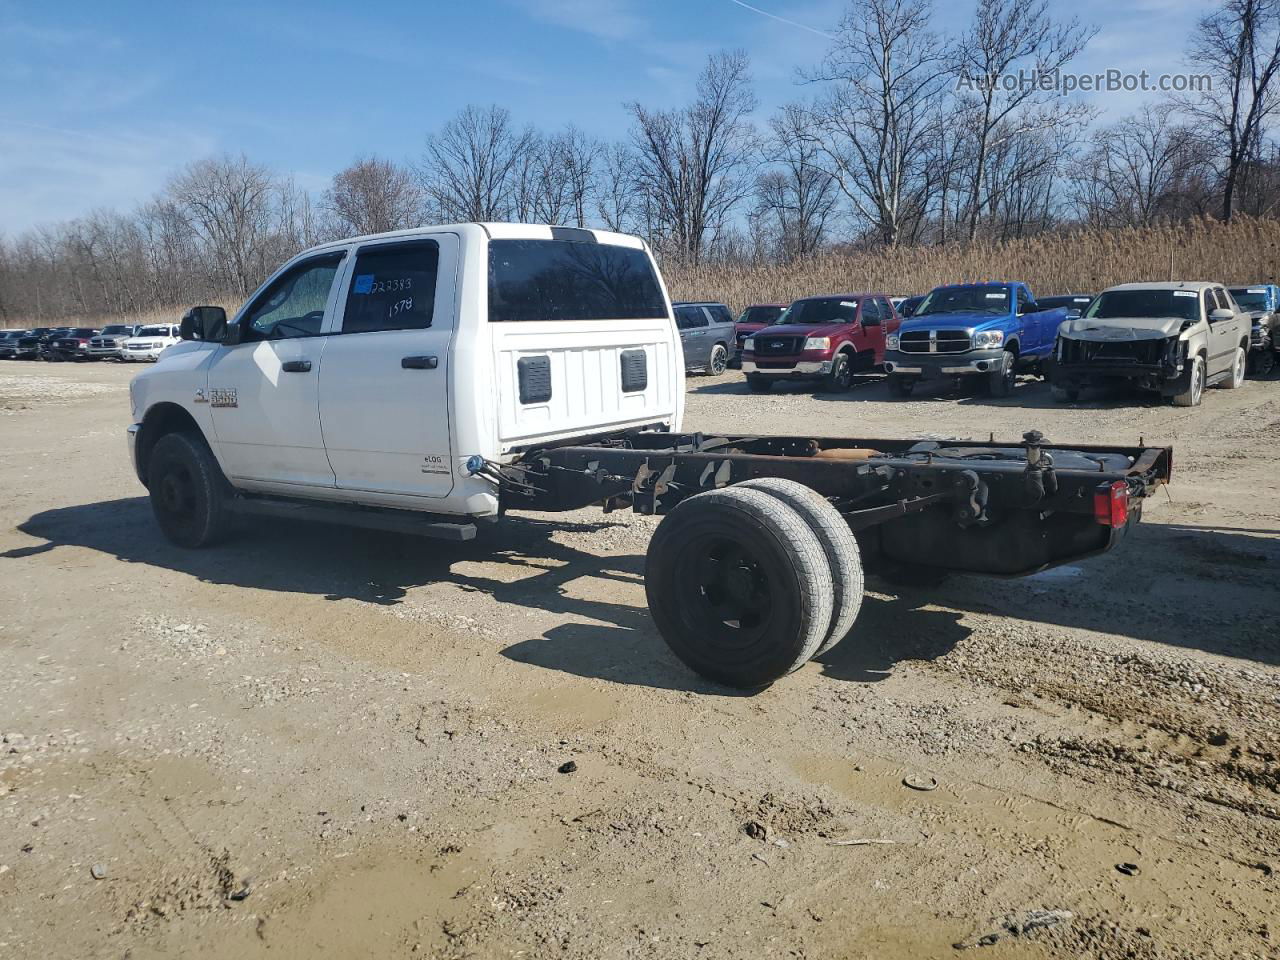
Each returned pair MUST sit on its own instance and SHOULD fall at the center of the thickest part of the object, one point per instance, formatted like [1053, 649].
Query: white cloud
[48, 174]
[606, 19]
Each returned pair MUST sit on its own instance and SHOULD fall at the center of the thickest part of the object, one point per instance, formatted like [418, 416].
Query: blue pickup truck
[986, 330]
[1261, 301]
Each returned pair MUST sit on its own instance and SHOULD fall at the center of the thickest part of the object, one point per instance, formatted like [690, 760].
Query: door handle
[296, 366]
[419, 363]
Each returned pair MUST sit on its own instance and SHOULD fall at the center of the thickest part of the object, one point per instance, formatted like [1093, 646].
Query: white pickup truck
[427, 380]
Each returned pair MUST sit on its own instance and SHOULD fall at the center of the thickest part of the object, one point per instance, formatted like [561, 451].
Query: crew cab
[752, 320]
[427, 381]
[1261, 301]
[110, 340]
[29, 343]
[1174, 339]
[706, 335]
[149, 342]
[824, 339]
[72, 344]
[988, 331]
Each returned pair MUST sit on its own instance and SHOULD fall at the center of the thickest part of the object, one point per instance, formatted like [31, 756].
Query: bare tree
[1132, 168]
[227, 201]
[1238, 46]
[374, 195]
[885, 76]
[693, 164]
[615, 188]
[1008, 36]
[797, 199]
[468, 167]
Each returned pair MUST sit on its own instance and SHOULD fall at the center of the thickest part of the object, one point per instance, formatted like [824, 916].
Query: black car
[31, 342]
[1076, 303]
[71, 344]
[9, 343]
[908, 306]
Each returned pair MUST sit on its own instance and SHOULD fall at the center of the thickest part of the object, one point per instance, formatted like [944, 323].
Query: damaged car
[1261, 301]
[1174, 339]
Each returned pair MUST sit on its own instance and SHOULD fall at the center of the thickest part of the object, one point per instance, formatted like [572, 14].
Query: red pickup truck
[827, 339]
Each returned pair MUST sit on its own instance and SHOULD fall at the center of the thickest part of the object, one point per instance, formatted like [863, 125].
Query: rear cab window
[393, 287]
[567, 280]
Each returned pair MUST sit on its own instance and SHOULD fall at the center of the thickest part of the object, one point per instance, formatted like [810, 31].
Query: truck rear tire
[1239, 363]
[900, 387]
[1194, 393]
[739, 586]
[759, 384]
[838, 543]
[188, 491]
[1000, 382]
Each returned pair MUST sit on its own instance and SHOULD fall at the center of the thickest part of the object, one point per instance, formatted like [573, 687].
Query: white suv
[151, 341]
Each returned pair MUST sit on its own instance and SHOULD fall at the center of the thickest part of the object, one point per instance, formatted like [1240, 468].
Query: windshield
[992, 300]
[114, 329]
[1250, 299]
[154, 332]
[825, 310]
[1146, 303]
[762, 315]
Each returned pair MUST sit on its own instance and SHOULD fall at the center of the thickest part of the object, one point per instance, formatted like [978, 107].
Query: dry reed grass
[1086, 261]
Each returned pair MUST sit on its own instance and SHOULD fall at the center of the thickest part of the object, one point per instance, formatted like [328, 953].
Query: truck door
[384, 398]
[262, 391]
[1029, 323]
[870, 339]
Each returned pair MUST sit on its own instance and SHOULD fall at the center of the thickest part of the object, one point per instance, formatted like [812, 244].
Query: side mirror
[1221, 313]
[204, 323]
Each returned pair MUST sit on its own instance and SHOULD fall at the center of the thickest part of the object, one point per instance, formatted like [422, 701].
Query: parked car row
[123, 342]
[1171, 339]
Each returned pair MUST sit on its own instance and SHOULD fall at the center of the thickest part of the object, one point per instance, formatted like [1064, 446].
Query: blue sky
[104, 100]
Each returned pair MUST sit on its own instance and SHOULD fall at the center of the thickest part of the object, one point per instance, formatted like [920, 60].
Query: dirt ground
[318, 742]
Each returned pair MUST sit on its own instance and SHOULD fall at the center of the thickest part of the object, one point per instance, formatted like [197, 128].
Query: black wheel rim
[724, 593]
[176, 495]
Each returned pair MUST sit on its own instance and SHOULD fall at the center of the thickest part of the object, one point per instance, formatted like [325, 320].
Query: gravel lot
[323, 742]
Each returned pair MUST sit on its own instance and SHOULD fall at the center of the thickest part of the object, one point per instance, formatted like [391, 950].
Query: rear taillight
[1111, 504]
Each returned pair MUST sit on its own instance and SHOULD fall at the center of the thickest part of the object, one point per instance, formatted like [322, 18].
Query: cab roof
[493, 231]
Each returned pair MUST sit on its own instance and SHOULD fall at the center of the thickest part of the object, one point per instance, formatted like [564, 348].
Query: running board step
[370, 518]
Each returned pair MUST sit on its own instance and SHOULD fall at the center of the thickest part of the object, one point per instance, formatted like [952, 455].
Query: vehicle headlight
[988, 338]
[749, 343]
[891, 342]
[817, 343]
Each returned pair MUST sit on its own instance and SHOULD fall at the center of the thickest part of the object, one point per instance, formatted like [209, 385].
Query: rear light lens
[1111, 504]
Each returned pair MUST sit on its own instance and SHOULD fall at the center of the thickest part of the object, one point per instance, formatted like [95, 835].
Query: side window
[1224, 298]
[294, 305]
[688, 318]
[871, 312]
[1210, 303]
[720, 314]
[886, 308]
[393, 287]
[1023, 300]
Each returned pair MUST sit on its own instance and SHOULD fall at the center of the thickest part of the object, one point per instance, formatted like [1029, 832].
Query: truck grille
[921, 341]
[1119, 352]
[779, 346]
[67, 344]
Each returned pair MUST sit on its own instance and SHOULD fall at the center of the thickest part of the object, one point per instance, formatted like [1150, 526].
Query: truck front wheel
[188, 491]
[900, 387]
[719, 360]
[1000, 381]
[841, 375]
[739, 586]
[1191, 396]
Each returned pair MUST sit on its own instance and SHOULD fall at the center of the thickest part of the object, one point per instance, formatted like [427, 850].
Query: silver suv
[1171, 338]
[706, 334]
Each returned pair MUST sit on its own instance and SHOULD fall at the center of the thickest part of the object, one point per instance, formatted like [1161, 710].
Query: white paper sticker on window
[995, 296]
[1184, 293]
[1257, 289]
[848, 303]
